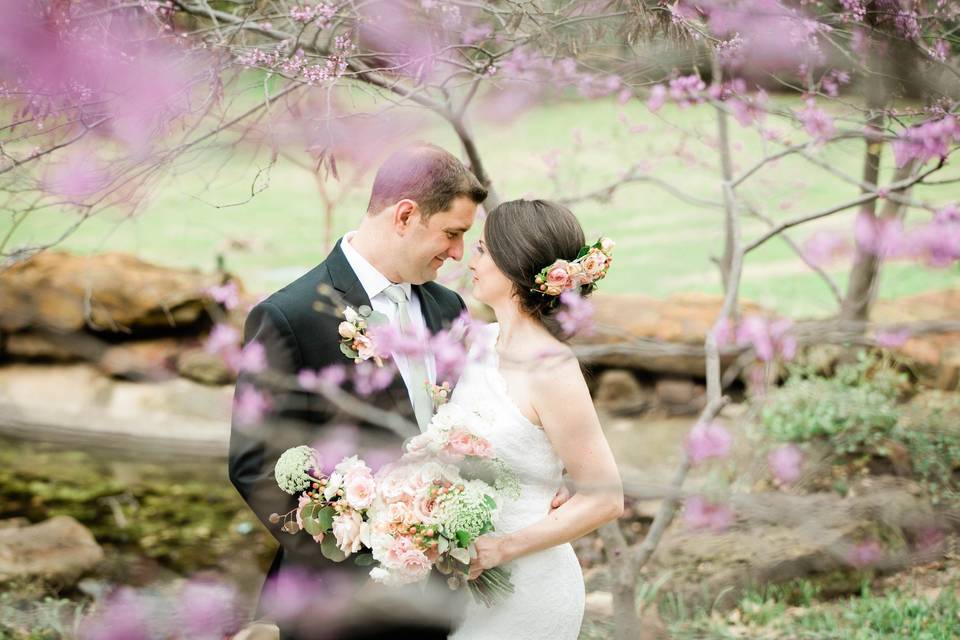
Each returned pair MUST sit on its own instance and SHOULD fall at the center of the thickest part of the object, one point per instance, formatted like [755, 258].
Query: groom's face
[427, 245]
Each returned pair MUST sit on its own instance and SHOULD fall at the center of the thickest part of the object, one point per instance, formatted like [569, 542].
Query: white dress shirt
[374, 283]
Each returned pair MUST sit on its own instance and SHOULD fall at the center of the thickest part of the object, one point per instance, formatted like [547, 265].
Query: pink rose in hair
[557, 276]
[594, 263]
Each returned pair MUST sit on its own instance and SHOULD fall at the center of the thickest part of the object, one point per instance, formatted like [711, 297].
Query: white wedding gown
[548, 600]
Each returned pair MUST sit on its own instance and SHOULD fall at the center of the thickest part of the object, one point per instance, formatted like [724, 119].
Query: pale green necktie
[422, 403]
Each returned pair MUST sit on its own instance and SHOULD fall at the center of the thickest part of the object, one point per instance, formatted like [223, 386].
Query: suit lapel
[429, 308]
[344, 280]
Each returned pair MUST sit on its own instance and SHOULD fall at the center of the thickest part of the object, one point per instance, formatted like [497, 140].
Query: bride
[521, 369]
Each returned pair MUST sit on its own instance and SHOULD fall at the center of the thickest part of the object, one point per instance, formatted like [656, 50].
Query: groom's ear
[405, 213]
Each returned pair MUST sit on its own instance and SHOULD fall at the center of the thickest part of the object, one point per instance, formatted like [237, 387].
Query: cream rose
[347, 330]
[348, 529]
[359, 488]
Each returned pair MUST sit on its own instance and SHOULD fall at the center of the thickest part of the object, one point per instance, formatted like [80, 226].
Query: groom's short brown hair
[426, 174]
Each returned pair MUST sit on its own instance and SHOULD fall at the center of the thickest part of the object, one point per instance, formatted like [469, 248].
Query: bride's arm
[570, 421]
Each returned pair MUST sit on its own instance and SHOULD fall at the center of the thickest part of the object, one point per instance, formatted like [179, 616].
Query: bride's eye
[478, 248]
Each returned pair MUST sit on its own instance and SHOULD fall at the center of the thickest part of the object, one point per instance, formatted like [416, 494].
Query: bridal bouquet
[423, 511]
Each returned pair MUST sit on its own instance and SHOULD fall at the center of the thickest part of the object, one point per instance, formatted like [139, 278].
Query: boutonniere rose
[355, 343]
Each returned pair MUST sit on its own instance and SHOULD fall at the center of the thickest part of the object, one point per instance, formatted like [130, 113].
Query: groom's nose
[455, 250]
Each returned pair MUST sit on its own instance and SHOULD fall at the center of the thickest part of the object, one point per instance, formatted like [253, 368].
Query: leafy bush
[855, 409]
[858, 413]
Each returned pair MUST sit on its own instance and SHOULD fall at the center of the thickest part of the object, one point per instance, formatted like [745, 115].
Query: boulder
[620, 393]
[678, 323]
[778, 537]
[111, 292]
[58, 550]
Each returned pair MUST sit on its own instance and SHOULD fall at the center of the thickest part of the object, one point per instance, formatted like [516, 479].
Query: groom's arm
[255, 446]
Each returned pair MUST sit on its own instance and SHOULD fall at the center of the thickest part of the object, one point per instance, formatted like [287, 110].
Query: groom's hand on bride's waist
[562, 495]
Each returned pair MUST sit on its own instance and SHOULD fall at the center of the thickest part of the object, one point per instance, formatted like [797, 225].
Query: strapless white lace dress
[548, 601]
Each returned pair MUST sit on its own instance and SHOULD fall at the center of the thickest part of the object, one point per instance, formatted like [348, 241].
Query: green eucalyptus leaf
[347, 351]
[330, 550]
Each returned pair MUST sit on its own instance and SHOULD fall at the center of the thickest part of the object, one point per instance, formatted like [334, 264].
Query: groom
[422, 203]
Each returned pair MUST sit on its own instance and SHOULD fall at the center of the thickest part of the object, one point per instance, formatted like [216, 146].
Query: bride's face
[490, 286]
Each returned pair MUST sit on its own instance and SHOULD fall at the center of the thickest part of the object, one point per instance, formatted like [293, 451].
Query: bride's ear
[405, 213]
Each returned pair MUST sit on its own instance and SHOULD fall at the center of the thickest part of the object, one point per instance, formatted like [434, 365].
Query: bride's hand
[490, 554]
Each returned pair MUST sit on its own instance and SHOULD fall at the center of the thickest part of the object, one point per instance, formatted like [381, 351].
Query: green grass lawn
[664, 243]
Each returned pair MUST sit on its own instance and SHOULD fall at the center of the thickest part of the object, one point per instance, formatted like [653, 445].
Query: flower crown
[591, 265]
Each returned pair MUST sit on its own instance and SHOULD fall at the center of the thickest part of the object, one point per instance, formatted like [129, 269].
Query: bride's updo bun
[523, 237]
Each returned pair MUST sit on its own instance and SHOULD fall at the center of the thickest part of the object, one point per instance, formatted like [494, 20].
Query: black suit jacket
[298, 327]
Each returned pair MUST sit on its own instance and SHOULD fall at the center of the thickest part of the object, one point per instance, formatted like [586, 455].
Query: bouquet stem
[491, 586]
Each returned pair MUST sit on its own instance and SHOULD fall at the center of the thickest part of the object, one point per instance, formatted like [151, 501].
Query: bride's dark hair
[523, 237]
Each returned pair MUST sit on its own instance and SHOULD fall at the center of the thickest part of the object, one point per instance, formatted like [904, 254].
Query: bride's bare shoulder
[555, 357]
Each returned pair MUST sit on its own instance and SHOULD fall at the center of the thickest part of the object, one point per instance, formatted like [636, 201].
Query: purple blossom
[252, 359]
[333, 375]
[78, 178]
[449, 353]
[476, 33]
[576, 316]
[855, 10]
[865, 553]
[389, 339]
[768, 338]
[723, 331]
[293, 594]
[658, 96]
[250, 405]
[223, 339]
[687, 90]
[881, 237]
[786, 462]
[700, 513]
[929, 540]
[892, 339]
[207, 609]
[825, 247]
[937, 243]
[747, 111]
[754, 330]
[368, 378]
[335, 444]
[926, 141]
[711, 440]
[226, 294]
[817, 122]
[124, 615]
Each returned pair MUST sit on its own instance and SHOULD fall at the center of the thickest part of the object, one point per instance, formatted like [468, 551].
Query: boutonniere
[439, 393]
[355, 343]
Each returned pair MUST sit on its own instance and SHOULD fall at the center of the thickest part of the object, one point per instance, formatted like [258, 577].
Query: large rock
[620, 393]
[934, 358]
[778, 537]
[112, 292]
[58, 550]
[663, 336]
